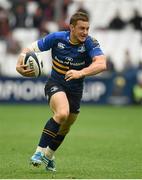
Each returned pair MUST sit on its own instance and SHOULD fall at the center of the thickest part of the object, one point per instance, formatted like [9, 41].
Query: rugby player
[75, 55]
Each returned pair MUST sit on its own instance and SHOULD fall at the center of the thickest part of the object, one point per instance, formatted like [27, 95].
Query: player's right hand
[22, 68]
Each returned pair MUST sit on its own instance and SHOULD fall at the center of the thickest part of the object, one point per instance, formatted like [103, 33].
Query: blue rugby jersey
[66, 55]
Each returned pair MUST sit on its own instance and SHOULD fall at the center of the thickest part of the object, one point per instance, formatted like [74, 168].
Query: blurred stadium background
[117, 25]
[112, 135]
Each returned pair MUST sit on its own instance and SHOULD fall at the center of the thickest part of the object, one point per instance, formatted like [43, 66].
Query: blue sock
[49, 132]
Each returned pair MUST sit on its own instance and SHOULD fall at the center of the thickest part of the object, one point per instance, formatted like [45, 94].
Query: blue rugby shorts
[74, 99]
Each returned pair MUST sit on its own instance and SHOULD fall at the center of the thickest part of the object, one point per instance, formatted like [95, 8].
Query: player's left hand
[73, 74]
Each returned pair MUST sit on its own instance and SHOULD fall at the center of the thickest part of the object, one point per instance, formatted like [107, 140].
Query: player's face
[79, 32]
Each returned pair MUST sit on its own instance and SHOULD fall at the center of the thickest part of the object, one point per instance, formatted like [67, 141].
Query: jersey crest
[81, 49]
[61, 45]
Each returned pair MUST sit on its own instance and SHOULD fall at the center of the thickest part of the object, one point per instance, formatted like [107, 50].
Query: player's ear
[71, 26]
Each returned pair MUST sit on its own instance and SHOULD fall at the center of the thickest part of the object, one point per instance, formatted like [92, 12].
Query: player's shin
[57, 142]
[49, 132]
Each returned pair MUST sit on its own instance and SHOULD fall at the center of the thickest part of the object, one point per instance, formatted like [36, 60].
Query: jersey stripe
[58, 70]
[60, 65]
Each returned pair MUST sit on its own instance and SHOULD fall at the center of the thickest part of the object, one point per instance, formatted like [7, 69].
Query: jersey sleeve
[46, 42]
[93, 47]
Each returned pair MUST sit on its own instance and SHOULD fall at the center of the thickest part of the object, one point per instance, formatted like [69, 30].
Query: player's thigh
[65, 127]
[57, 100]
[59, 103]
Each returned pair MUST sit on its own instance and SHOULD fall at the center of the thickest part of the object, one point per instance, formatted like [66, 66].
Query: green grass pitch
[105, 142]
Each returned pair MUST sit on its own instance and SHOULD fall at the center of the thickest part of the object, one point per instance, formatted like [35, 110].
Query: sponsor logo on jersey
[81, 49]
[69, 59]
[61, 45]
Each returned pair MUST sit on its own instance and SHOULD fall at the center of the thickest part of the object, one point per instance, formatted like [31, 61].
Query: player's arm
[98, 65]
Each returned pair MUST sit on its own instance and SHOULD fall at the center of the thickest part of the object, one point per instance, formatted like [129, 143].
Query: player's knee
[62, 115]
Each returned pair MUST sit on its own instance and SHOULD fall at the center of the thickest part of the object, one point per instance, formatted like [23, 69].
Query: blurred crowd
[31, 13]
[118, 23]
[37, 14]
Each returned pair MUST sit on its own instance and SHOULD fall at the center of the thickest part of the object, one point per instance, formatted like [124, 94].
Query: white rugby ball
[34, 62]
